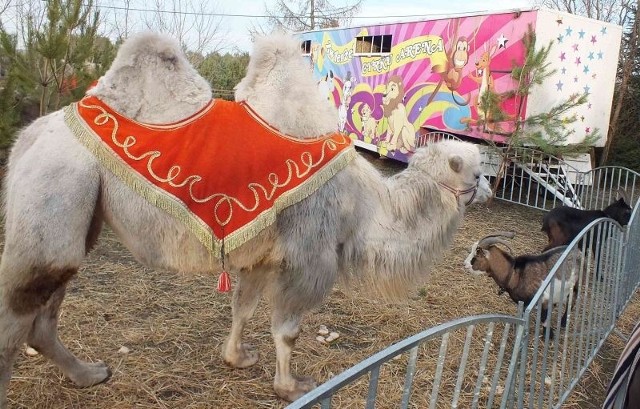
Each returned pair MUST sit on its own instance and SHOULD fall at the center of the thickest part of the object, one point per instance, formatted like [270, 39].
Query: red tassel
[224, 282]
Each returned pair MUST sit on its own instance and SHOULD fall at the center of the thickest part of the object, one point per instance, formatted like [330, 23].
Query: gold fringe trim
[177, 209]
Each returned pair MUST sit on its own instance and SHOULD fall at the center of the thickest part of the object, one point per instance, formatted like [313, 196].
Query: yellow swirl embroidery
[221, 201]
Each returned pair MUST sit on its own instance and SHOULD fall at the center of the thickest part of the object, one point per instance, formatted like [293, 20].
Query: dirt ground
[174, 325]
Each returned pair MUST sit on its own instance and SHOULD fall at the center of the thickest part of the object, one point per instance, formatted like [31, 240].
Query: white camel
[358, 226]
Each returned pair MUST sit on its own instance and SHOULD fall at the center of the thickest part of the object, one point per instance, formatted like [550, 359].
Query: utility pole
[312, 12]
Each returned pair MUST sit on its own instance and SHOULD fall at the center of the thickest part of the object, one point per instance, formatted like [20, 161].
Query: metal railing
[479, 345]
[543, 181]
[532, 178]
[536, 179]
[532, 365]
[434, 136]
[551, 366]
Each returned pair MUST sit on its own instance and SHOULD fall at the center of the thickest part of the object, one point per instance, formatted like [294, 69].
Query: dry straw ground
[174, 326]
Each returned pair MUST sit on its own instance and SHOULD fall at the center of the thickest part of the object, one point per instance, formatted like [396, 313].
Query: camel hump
[278, 46]
[152, 67]
[148, 44]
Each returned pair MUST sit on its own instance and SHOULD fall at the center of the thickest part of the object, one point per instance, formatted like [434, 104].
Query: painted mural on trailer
[432, 77]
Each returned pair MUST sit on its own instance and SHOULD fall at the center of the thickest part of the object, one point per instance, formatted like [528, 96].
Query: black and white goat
[522, 276]
[563, 223]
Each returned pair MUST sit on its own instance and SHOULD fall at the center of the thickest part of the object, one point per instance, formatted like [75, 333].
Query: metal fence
[513, 361]
[551, 366]
[475, 368]
[535, 179]
[543, 181]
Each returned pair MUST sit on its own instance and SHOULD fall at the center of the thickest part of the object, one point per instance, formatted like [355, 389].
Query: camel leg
[44, 338]
[296, 292]
[24, 292]
[285, 329]
[306, 276]
[51, 221]
[29, 307]
[13, 333]
[246, 296]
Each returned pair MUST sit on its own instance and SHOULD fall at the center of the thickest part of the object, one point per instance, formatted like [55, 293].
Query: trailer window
[305, 47]
[380, 44]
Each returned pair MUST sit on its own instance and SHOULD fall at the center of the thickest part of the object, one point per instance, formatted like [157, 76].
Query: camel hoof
[301, 385]
[93, 373]
[243, 357]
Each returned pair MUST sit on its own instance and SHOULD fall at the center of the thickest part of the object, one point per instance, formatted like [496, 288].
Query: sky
[373, 11]
[234, 18]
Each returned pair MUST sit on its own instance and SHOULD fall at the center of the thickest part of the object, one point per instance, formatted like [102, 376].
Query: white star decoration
[502, 41]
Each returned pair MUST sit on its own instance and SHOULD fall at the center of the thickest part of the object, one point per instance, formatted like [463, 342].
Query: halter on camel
[457, 192]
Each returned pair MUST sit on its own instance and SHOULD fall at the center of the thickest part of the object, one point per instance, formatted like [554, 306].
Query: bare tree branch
[628, 63]
[612, 11]
[4, 5]
[193, 23]
[302, 15]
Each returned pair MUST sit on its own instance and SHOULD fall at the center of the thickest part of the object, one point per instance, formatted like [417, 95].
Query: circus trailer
[393, 83]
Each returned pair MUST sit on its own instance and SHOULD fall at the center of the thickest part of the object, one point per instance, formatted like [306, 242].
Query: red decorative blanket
[223, 172]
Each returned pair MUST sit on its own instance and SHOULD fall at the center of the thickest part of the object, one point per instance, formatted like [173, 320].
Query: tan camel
[359, 226]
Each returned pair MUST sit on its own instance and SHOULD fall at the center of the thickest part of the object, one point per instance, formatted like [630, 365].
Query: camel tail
[22, 143]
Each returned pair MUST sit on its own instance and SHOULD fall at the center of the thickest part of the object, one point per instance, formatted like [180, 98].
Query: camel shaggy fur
[359, 226]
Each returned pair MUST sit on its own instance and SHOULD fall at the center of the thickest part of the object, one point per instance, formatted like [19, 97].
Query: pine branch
[547, 132]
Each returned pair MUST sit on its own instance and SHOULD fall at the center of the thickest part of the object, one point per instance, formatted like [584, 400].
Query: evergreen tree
[10, 101]
[224, 71]
[546, 132]
[54, 64]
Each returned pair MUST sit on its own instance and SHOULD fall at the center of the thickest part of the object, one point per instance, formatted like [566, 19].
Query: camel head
[455, 166]
[151, 81]
[280, 88]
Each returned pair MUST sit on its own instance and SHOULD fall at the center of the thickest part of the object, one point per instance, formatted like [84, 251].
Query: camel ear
[456, 163]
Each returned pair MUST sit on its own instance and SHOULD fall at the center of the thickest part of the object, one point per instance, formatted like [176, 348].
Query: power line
[242, 15]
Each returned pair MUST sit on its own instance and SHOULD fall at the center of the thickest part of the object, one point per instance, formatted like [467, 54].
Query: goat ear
[622, 195]
[456, 163]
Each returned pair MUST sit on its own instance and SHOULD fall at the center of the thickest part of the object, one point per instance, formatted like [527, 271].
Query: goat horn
[496, 238]
[488, 241]
[507, 234]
